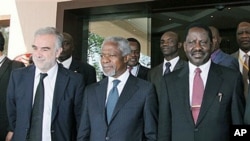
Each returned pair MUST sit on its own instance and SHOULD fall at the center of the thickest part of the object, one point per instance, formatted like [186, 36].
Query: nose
[245, 34]
[198, 45]
[105, 59]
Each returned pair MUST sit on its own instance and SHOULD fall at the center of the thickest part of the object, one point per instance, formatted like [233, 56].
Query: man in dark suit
[218, 56]
[88, 71]
[63, 92]
[6, 66]
[133, 63]
[170, 44]
[135, 115]
[242, 37]
[186, 114]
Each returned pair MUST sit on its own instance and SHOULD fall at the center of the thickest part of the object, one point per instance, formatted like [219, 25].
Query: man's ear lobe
[126, 58]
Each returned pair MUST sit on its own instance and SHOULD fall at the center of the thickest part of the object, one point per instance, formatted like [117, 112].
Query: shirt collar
[66, 63]
[204, 67]
[123, 78]
[242, 53]
[51, 72]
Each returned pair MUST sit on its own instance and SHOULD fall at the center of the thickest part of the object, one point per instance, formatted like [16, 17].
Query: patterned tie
[245, 70]
[198, 90]
[36, 124]
[112, 100]
[167, 70]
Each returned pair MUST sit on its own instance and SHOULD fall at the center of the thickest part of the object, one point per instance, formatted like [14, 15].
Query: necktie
[198, 90]
[167, 70]
[130, 68]
[35, 133]
[245, 74]
[112, 100]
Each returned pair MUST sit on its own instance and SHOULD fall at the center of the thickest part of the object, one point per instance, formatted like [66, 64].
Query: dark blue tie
[36, 124]
[112, 100]
[167, 70]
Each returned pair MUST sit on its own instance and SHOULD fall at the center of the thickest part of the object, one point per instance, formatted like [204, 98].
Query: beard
[110, 72]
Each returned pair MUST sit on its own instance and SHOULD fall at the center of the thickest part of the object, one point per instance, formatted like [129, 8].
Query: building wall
[26, 16]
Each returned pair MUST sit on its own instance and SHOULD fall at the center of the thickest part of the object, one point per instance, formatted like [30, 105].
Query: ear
[219, 40]
[126, 58]
[58, 52]
[179, 45]
[185, 46]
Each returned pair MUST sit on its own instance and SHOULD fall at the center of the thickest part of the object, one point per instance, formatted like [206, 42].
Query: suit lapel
[6, 64]
[28, 85]
[211, 90]
[183, 90]
[128, 91]
[60, 86]
[101, 92]
[74, 66]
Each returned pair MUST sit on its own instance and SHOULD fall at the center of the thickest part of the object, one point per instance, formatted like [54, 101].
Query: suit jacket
[5, 70]
[142, 72]
[155, 74]
[213, 124]
[88, 71]
[135, 116]
[224, 59]
[66, 108]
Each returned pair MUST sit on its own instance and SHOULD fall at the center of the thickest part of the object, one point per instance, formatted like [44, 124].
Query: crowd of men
[57, 97]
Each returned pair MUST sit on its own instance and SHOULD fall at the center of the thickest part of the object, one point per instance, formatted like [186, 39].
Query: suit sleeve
[84, 129]
[151, 115]
[92, 75]
[238, 101]
[78, 101]
[164, 126]
[11, 104]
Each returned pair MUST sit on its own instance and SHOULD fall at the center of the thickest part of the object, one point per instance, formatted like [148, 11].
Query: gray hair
[51, 31]
[123, 44]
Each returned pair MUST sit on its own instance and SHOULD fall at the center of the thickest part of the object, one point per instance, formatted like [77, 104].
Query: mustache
[197, 51]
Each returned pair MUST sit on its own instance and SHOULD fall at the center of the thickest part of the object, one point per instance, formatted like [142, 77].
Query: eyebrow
[34, 46]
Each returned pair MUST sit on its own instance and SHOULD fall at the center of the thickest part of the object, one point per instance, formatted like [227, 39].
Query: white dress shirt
[134, 70]
[242, 58]
[173, 62]
[123, 78]
[204, 74]
[49, 86]
[66, 63]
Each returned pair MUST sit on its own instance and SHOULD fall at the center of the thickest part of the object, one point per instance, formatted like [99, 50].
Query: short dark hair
[2, 41]
[200, 25]
[134, 40]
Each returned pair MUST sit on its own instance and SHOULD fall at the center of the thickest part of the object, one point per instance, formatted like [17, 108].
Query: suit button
[196, 129]
[52, 131]
[107, 138]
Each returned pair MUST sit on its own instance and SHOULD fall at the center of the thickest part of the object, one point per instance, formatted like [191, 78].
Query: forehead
[44, 40]
[133, 45]
[168, 35]
[244, 25]
[197, 32]
[110, 47]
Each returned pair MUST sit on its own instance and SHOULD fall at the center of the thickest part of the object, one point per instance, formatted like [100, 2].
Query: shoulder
[69, 73]
[17, 64]
[235, 54]
[139, 82]
[156, 68]
[225, 71]
[88, 66]
[143, 68]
